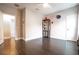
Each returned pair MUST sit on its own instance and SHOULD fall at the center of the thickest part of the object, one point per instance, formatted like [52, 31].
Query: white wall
[33, 25]
[78, 22]
[65, 27]
[1, 28]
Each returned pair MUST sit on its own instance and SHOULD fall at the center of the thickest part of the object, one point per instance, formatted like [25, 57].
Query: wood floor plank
[41, 46]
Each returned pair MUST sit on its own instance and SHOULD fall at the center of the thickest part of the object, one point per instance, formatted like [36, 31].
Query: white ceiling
[38, 7]
[54, 7]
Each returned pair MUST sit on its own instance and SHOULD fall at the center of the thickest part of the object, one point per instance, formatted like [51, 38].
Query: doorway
[9, 29]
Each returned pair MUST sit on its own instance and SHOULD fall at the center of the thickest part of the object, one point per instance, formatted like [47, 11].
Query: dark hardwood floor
[39, 47]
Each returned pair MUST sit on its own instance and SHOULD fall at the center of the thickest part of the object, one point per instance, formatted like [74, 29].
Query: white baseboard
[18, 38]
[64, 39]
[1, 42]
[7, 37]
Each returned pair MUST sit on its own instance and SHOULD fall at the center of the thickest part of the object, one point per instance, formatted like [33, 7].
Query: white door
[70, 27]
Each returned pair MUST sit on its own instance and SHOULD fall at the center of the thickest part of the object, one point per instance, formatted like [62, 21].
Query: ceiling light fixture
[45, 5]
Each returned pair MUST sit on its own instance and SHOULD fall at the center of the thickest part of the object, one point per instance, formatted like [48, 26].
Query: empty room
[39, 29]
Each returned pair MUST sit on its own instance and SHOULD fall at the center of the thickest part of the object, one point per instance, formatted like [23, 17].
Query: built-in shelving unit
[46, 28]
